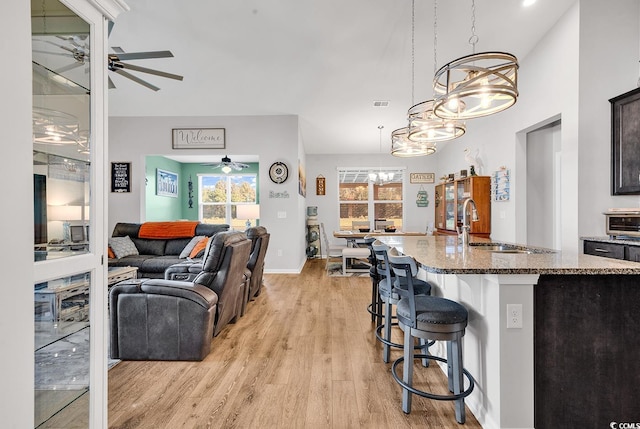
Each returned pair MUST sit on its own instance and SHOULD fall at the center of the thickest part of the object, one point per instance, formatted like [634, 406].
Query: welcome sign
[198, 138]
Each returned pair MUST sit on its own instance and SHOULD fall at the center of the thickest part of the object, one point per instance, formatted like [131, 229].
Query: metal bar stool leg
[458, 381]
[407, 370]
[386, 348]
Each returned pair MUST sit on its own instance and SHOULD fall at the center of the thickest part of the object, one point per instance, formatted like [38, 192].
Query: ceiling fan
[227, 165]
[115, 64]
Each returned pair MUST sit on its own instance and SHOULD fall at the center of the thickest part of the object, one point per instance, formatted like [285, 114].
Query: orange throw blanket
[181, 229]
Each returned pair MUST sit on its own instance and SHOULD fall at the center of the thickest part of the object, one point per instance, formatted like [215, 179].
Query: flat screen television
[77, 233]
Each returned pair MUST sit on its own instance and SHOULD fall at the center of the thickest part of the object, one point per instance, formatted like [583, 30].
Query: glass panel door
[64, 269]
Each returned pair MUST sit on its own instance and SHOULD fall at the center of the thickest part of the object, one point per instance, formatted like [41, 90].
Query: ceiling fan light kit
[226, 165]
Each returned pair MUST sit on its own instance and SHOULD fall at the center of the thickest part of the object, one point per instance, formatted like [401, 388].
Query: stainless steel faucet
[463, 232]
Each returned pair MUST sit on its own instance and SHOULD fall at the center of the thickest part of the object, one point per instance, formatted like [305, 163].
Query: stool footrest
[452, 397]
[399, 346]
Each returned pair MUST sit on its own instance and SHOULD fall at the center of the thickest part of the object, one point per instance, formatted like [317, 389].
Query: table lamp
[248, 212]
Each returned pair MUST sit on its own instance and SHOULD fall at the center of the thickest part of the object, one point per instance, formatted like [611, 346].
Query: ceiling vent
[381, 103]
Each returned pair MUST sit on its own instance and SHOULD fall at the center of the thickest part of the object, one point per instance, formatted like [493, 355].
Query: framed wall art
[166, 183]
[120, 177]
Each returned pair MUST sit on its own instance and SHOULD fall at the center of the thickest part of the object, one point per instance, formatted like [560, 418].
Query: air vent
[381, 103]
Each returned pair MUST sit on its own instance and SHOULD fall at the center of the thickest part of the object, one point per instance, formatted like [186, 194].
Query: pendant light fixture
[425, 129]
[424, 125]
[476, 85]
[381, 177]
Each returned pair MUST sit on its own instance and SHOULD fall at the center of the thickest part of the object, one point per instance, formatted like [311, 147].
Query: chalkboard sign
[120, 177]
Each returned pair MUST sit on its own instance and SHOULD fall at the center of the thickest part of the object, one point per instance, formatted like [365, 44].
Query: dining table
[353, 236]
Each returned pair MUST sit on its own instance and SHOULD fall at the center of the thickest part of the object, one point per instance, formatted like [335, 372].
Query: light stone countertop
[443, 254]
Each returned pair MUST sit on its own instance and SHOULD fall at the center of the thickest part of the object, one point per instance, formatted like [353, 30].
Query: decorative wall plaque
[198, 138]
[422, 177]
[320, 185]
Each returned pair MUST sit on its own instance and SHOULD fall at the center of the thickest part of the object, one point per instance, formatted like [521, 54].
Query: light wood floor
[303, 356]
[282, 365]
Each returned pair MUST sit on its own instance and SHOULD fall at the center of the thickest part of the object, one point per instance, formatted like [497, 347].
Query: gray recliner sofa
[156, 254]
[157, 319]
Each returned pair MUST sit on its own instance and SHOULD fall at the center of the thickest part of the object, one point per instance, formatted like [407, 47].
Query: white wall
[272, 138]
[16, 293]
[589, 56]
[416, 218]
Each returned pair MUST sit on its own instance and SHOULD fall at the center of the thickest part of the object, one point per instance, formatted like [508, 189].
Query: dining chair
[332, 251]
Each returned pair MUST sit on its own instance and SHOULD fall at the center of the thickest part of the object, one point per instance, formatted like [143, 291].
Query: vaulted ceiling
[326, 61]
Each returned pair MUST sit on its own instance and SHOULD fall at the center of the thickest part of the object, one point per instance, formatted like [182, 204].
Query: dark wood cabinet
[625, 143]
[612, 250]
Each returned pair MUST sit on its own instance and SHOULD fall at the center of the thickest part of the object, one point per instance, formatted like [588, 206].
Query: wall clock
[278, 172]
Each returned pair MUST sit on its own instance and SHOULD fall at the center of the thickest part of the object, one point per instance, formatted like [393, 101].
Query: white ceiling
[326, 61]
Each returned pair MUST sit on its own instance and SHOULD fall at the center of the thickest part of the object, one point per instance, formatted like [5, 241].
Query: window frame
[228, 204]
[371, 186]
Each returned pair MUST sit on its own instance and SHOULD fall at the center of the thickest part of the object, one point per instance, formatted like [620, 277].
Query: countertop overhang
[445, 255]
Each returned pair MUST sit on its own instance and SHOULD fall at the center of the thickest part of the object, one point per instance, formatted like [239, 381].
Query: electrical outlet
[514, 316]
[279, 252]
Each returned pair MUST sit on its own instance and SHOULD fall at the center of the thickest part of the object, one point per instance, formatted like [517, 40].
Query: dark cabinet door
[634, 253]
[608, 250]
[625, 138]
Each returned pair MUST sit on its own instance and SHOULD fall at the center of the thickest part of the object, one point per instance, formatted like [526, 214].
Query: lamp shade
[64, 213]
[248, 211]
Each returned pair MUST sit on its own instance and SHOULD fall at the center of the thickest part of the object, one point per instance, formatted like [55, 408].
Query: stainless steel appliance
[623, 222]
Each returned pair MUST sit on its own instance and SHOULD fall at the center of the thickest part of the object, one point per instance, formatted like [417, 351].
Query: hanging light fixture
[402, 147]
[476, 85]
[424, 125]
[381, 177]
[425, 129]
[54, 127]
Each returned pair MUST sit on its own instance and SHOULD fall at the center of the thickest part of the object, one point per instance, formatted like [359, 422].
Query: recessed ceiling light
[526, 3]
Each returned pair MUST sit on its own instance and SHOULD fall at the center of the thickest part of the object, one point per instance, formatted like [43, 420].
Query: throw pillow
[198, 250]
[190, 245]
[110, 253]
[122, 246]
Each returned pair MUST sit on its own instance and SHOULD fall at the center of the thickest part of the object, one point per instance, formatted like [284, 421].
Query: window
[364, 197]
[221, 194]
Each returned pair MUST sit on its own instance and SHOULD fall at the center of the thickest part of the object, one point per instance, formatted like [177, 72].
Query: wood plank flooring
[303, 356]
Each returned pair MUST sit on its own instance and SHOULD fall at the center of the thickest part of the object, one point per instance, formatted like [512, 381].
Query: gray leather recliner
[159, 319]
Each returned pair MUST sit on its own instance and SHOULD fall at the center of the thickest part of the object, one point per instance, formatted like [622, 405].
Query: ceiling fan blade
[117, 49]
[150, 71]
[62, 54]
[69, 67]
[111, 84]
[142, 55]
[136, 79]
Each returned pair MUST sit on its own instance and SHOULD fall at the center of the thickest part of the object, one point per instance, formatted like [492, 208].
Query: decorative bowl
[364, 229]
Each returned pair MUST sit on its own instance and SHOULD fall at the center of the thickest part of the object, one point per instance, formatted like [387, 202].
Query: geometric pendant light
[54, 127]
[476, 85]
[425, 126]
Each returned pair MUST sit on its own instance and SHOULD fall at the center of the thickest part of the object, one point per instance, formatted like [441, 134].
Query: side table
[117, 274]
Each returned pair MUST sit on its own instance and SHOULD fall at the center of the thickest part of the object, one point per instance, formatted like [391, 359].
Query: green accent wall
[160, 208]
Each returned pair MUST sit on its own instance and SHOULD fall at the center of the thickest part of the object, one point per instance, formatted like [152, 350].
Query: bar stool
[432, 318]
[375, 308]
[390, 288]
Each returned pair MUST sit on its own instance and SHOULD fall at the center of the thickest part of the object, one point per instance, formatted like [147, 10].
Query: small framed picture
[166, 183]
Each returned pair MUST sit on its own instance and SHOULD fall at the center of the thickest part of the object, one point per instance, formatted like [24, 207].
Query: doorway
[543, 194]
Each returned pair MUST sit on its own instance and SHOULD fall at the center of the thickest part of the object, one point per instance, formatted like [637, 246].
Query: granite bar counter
[573, 363]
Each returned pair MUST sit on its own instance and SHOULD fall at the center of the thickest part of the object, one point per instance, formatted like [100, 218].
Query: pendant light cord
[435, 36]
[413, 49]
[474, 37]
